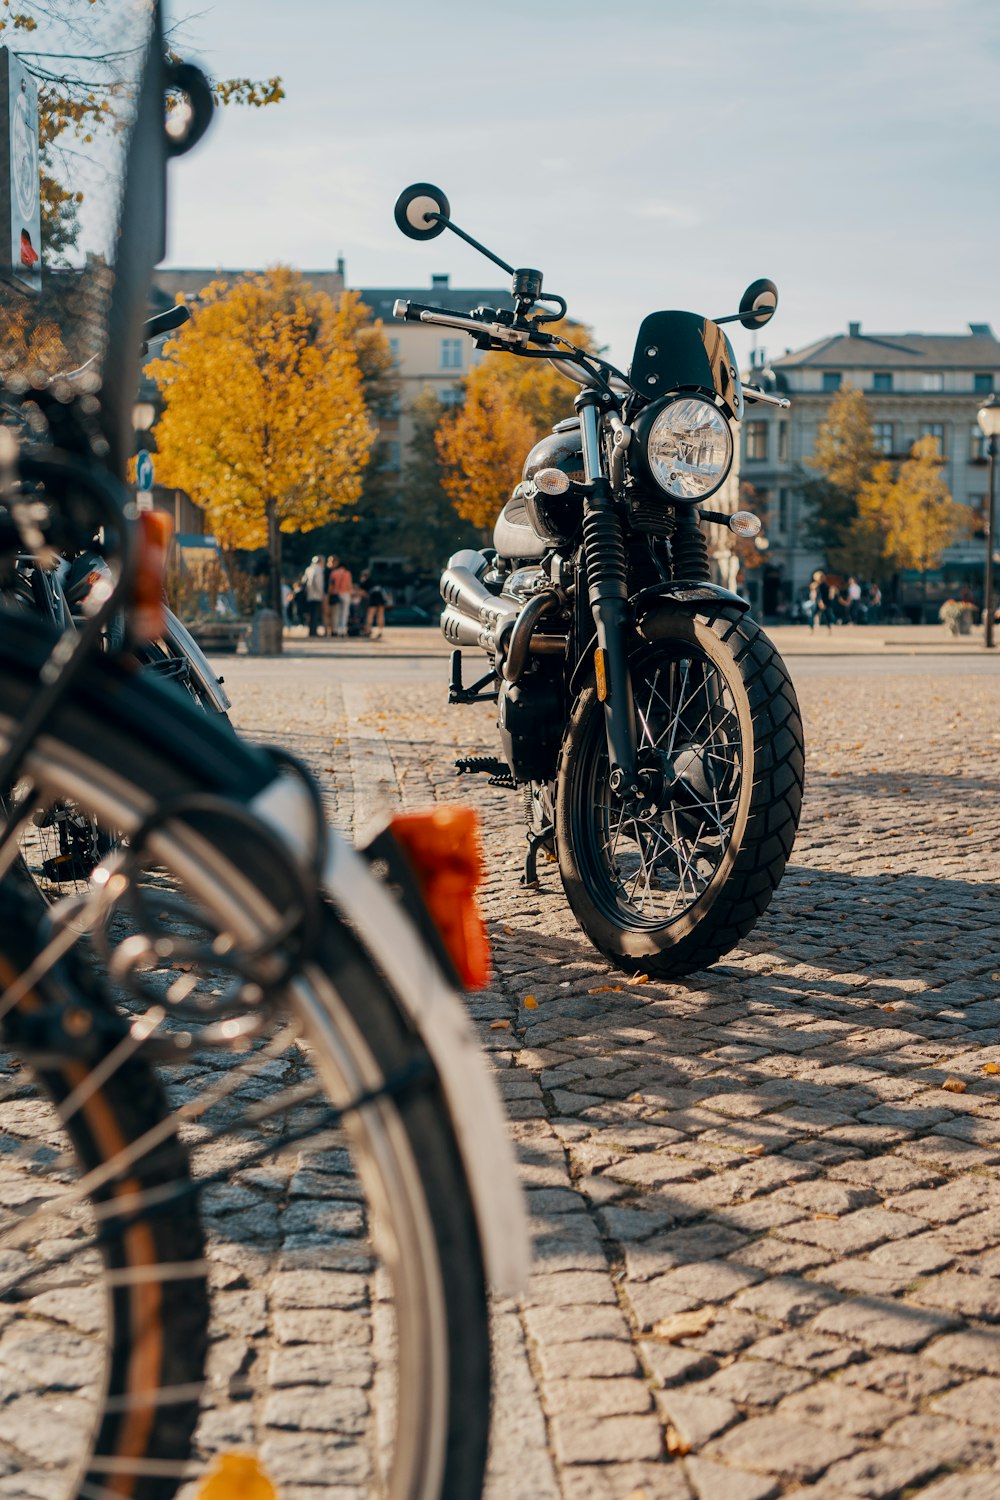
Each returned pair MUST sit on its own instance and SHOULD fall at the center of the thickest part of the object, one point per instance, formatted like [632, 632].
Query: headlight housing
[685, 447]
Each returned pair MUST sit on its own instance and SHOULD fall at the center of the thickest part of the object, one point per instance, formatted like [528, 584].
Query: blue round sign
[144, 470]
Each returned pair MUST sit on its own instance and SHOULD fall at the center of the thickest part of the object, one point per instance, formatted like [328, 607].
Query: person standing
[314, 593]
[853, 601]
[341, 589]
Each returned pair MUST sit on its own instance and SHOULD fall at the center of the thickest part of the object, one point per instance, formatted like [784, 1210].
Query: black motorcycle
[649, 722]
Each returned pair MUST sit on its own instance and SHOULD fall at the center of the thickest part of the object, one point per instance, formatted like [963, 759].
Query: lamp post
[989, 424]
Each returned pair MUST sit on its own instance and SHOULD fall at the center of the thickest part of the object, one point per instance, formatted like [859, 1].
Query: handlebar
[165, 322]
[751, 393]
[503, 333]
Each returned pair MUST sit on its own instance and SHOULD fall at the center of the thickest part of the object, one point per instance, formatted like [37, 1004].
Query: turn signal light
[155, 531]
[445, 854]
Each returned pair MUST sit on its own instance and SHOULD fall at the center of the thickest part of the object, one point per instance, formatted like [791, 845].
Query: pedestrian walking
[314, 577]
[341, 587]
[853, 601]
[377, 599]
[821, 599]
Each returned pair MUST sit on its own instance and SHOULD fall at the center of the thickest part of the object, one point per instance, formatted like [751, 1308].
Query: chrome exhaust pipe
[464, 595]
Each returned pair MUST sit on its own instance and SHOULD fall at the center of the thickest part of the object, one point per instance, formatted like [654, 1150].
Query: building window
[977, 504]
[394, 350]
[783, 511]
[782, 442]
[882, 380]
[831, 380]
[451, 354]
[451, 395]
[934, 430]
[884, 436]
[933, 381]
[388, 454]
[982, 383]
[978, 451]
[756, 442]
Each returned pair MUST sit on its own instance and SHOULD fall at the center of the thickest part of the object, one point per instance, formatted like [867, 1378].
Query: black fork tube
[604, 550]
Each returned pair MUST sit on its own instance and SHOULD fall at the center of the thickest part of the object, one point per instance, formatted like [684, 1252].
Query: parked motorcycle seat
[512, 535]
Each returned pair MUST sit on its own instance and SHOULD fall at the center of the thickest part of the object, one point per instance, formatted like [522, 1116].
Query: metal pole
[990, 535]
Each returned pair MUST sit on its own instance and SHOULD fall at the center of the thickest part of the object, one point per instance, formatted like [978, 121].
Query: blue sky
[657, 154]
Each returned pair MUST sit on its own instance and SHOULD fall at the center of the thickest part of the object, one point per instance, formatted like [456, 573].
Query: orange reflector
[237, 1476]
[444, 850]
[601, 674]
[155, 531]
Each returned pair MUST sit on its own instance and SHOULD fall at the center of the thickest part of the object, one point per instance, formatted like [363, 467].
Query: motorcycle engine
[529, 718]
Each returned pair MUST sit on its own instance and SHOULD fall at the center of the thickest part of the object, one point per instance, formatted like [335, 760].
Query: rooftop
[976, 349]
[440, 293]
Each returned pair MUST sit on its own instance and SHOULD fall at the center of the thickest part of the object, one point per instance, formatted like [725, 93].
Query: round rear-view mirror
[414, 208]
[758, 303]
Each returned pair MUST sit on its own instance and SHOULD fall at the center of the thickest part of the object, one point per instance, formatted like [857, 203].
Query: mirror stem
[470, 241]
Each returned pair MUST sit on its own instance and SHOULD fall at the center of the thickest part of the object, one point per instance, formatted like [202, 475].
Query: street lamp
[143, 416]
[989, 424]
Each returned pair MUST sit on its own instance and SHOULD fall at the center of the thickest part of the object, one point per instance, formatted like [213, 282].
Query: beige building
[426, 356]
[915, 384]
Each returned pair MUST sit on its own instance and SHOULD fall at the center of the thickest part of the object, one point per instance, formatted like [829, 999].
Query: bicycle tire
[141, 1361]
[103, 748]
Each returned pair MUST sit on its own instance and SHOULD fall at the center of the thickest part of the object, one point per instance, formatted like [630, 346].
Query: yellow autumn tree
[913, 513]
[29, 345]
[509, 404]
[264, 423]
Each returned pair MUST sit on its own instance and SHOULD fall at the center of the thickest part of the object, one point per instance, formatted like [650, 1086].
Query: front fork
[604, 550]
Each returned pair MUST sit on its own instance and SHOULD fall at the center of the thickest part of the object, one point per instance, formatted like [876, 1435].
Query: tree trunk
[274, 557]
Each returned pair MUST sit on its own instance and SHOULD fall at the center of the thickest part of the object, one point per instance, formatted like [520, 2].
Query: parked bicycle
[236, 1056]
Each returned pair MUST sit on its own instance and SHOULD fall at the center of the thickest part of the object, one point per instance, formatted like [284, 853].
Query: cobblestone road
[766, 1203]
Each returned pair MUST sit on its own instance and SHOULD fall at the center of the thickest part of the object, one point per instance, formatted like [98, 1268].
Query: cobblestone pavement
[766, 1202]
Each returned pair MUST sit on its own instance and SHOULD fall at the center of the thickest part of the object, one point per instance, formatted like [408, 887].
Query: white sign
[20, 125]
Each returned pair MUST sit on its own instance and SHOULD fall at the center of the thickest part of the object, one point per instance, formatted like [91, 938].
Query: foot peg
[486, 765]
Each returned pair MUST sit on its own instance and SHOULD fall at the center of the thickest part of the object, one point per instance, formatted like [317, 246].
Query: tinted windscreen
[68, 96]
[680, 351]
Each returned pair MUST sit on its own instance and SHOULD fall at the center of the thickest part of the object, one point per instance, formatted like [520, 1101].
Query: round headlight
[689, 449]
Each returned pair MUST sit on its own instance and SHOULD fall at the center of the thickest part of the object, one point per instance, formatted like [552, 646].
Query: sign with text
[20, 201]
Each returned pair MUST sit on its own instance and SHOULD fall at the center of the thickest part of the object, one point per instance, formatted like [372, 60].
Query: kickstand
[535, 842]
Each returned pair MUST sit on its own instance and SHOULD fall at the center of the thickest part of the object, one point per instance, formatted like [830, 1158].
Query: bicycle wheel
[352, 1325]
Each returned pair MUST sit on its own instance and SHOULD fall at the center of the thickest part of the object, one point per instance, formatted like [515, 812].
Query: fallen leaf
[605, 989]
[634, 1099]
[832, 1217]
[757, 1150]
[991, 1068]
[509, 931]
[683, 1325]
[639, 979]
[969, 832]
[530, 1003]
[888, 1007]
[639, 1494]
[499, 1025]
[954, 1086]
[675, 1443]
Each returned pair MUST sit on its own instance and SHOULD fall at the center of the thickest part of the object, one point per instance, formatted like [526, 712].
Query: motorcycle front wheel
[670, 886]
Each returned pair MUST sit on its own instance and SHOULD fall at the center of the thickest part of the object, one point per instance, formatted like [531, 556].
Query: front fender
[684, 598]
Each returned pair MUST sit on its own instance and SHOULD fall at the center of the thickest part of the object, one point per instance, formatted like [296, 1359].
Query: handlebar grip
[410, 311]
[164, 322]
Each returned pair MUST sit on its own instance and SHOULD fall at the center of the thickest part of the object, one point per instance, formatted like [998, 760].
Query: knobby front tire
[671, 890]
